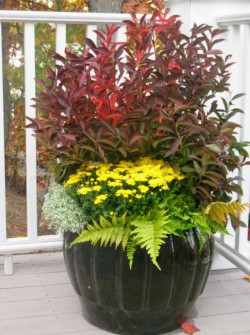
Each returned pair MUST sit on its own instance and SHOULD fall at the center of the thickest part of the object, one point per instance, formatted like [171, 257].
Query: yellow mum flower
[96, 188]
[103, 167]
[179, 176]
[114, 183]
[156, 182]
[91, 167]
[167, 170]
[115, 175]
[125, 164]
[130, 181]
[139, 177]
[120, 169]
[102, 177]
[73, 179]
[124, 193]
[168, 179]
[143, 188]
[100, 198]
[84, 190]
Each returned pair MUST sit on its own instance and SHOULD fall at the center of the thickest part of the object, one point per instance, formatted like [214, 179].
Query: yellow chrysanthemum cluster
[126, 179]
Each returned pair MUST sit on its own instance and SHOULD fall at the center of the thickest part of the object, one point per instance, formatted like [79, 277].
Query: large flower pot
[143, 300]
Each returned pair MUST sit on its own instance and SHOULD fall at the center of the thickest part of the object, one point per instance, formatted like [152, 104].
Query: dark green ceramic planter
[144, 300]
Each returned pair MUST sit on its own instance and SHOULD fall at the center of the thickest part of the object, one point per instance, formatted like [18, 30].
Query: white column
[8, 265]
[30, 91]
[60, 38]
[3, 233]
[90, 32]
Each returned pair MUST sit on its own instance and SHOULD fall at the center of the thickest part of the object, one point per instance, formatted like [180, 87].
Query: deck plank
[34, 280]
[224, 288]
[228, 324]
[36, 292]
[39, 300]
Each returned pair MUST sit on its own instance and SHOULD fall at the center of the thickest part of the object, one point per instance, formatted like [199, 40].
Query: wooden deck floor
[39, 300]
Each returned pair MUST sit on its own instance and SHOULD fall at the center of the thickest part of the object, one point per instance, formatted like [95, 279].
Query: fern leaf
[121, 221]
[130, 248]
[202, 240]
[149, 233]
[106, 232]
[126, 236]
[220, 211]
[216, 227]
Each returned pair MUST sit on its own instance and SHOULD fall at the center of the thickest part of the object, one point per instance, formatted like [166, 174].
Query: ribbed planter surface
[143, 300]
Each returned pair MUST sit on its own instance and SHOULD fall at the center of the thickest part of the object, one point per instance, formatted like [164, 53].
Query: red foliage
[186, 326]
[189, 328]
[151, 95]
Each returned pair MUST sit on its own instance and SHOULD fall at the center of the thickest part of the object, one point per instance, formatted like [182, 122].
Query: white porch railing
[10, 246]
[235, 248]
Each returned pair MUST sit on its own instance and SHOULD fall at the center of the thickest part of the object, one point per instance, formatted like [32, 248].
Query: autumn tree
[13, 69]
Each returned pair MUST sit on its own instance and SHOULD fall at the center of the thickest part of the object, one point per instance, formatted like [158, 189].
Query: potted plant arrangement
[141, 146]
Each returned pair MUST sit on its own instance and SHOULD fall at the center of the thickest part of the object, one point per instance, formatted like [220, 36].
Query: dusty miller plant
[62, 211]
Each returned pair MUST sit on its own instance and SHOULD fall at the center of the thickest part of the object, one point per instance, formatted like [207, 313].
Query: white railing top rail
[234, 19]
[62, 17]
[94, 18]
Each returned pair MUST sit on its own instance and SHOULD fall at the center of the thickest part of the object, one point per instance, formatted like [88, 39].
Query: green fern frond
[126, 235]
[202, 239]
[200, 221]
[121, 222]
[149, 232]
[106, 232]
[217, 227]
[220, 211]
[130, 249]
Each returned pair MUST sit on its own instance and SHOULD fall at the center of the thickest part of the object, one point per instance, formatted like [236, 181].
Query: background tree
[105, 6]
[142, 6]
[13, 71]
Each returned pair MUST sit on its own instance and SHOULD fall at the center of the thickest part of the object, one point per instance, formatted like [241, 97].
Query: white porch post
[30, 91]
[3, 232]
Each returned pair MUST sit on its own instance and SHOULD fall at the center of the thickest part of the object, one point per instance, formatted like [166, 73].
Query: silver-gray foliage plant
[62, 211]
